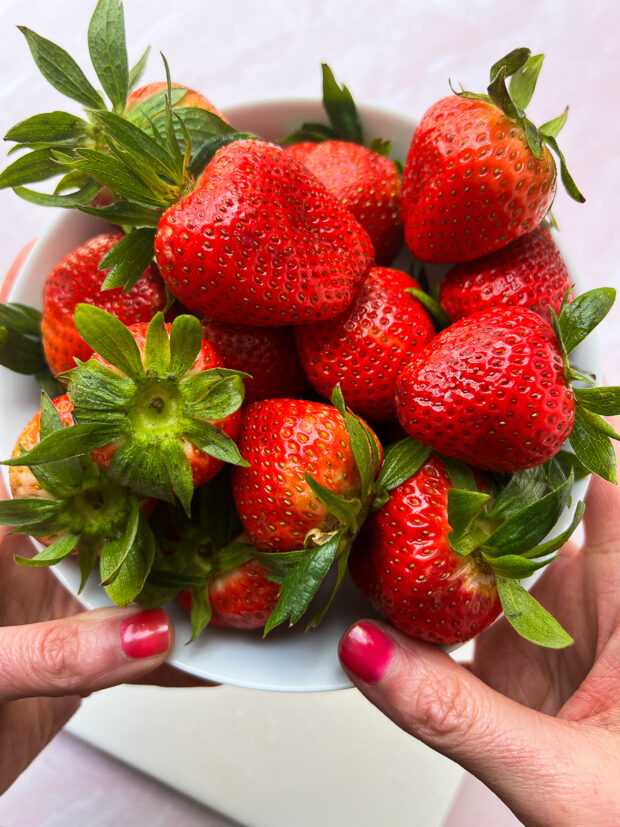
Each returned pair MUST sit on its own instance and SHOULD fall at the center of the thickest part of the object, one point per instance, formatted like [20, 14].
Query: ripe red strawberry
[240, 598]
[153, 405]
[268, 354]
[495, 389]
[403, 564]
[490, 390]
[479, 174]
[77, 279]
[260, 241]
[529, 273]
[368, 184]
[439, 558]
[283, 440]
[366, 347]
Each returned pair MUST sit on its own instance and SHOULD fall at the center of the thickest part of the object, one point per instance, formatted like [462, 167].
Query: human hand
[52, 654]
[540, 727]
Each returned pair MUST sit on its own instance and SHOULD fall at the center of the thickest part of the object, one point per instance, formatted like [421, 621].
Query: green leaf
[463, 508]
[88, 554]
[511, 62]
[136, 142]
[551, 129]
[141, 467]
[302, 582]
[21, 318]
[203, 154]
[174, 580]
[340, 107]
[124, 212]
[381, 146]
[530, 525]
[218, 515]
[185, 344]
[461, 475]
[179, 472]
[66, 476]
[311, 132]
[579, 318]
[21, 354]
[528, 617]
[360, 442]
[523, 81]
[108, 50]
[344, 510]
[224, 398]
[522, 489]
[592, 447]
[37, 165]
[27, 511]
[70, 442]
[341, 563]
[557, 542]
[157, 347]
[605, 401]
[200, 615]
[436, 311]
[516, 566]
[54, 553]
[74, 199]
[128, 259]
[111, 171]
[99, 393]
[61, 70]
[136, 566]
[567, 179]
[137, 70]
[402, 460]
[109, 337]
[115, 552]
[48, 127]
[501, 98]
[212, 441]
[144, 114]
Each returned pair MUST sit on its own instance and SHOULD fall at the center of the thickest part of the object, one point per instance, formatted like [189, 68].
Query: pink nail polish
[145, 634]
[366, 651]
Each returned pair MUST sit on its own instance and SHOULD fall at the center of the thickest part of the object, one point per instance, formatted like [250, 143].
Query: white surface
[398, 55]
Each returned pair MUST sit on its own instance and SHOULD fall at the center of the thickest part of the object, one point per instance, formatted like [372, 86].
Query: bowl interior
[288, 659]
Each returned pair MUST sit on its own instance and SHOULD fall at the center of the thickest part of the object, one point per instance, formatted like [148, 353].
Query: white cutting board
[275, 759]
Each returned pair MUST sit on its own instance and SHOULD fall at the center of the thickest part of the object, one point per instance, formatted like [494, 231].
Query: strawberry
[495, 389]
[153, 405]
[528, 272]
[77, 279]
[72, 506]
[367, 183]
[260, 241]
[479, 174]
[366, 347]
[267, 353]
[185, 99]
[439, 561]
[307, 488]
[242, 597]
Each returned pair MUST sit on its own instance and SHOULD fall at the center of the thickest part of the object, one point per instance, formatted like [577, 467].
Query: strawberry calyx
[523, 69]
[191, 552]
[145, 409]
[21, 349]
[344, 120]
[89, 514]
[591, 434]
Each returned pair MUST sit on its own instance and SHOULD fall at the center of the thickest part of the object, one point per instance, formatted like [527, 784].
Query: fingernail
[366, 652]
[145, 634]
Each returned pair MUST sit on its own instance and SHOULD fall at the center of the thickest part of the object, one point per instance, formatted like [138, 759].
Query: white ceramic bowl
[288, 659]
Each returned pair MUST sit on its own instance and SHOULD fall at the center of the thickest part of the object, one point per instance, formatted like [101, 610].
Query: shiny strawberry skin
[77, 279]
[366, 347]
[267, 353]
[260, 241]
[204, 467]
[368, 185]
[489, 390]
[471, 184]
[529, 272]
[241, 598]
[283, 439]
[403, 564]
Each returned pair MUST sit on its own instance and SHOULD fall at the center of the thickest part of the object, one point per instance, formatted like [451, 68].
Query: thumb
[82, 653]
[514, 750]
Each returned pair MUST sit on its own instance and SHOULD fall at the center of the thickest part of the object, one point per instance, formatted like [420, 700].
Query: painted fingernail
[145, 634]
[366, 651]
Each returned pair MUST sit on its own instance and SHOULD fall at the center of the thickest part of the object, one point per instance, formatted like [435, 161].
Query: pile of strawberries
[244, 398]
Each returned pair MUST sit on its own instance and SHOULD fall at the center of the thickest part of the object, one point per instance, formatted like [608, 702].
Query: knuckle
[58, 651]
[446, 710]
